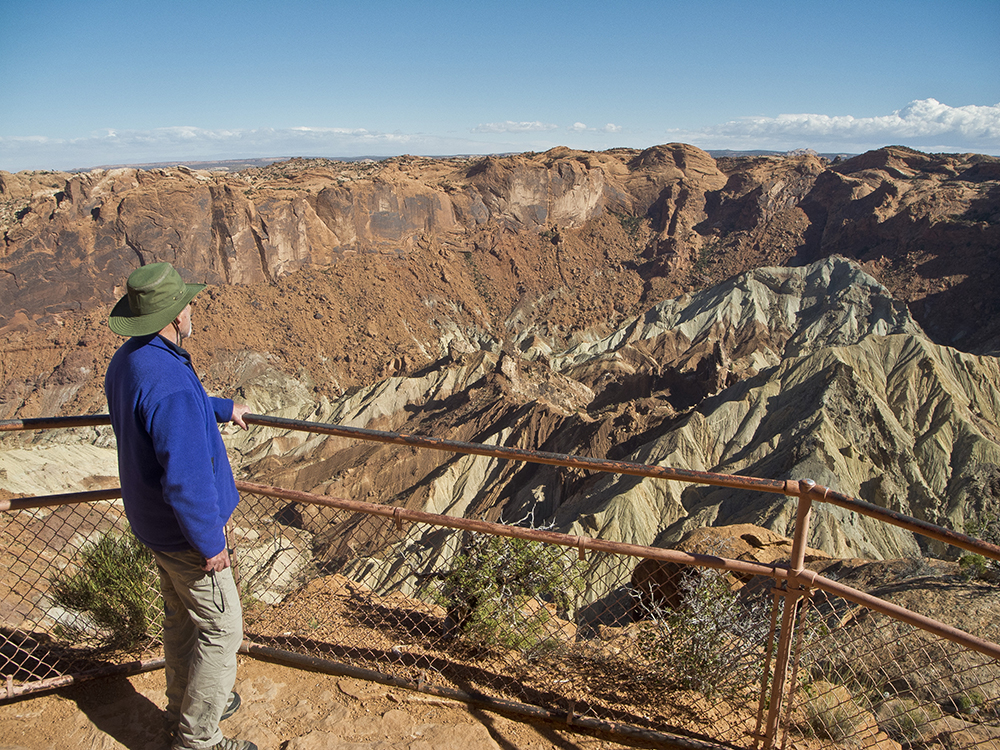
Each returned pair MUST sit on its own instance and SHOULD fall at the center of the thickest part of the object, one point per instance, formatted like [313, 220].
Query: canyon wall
[783, 316]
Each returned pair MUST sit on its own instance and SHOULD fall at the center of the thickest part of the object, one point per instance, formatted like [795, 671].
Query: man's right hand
[218, 563]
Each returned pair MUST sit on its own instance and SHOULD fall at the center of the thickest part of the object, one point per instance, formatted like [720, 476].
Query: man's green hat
[156, 295]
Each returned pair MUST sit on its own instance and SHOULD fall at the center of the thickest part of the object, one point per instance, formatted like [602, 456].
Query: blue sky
[133, 81]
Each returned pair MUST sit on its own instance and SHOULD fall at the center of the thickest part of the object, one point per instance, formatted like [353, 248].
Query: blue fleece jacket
[176, 480]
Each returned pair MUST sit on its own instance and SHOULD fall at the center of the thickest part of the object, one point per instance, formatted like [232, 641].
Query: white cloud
[513, 127]
[925, 124]
[579, 127]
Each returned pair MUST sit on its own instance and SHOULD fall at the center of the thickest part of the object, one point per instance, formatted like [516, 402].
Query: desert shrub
[500, 593]
[713, 643]
[831, 712]
[903, 719]
[972, 567]
[835, 722]
[966, 703]
[114, 585]
[633, 225]
[986, 528]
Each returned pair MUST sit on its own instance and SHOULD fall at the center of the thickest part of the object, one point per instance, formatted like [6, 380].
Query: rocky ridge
[853, 396]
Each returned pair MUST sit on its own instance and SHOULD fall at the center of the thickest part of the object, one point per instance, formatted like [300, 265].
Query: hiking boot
[228, 744]
[234, 703]
[170, 722]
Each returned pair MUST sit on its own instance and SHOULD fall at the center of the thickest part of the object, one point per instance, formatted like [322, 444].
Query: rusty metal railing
[779, 666]
[806, 489]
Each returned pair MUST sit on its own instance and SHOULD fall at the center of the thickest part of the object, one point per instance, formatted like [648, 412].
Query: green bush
[968, 703]
[972, 566]
[633, 225]
[115, 584]
[497, 590]
[978, 566]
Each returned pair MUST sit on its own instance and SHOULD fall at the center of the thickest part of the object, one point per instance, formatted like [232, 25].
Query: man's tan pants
[202, 630]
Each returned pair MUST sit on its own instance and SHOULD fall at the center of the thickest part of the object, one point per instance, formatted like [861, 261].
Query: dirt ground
[283, 709]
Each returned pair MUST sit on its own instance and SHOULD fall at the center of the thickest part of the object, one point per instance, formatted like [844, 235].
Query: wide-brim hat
[156, 295]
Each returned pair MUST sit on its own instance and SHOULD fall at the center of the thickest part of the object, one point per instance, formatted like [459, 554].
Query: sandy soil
[283, 708]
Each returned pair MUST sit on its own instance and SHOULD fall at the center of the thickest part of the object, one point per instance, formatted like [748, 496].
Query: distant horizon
[239, 163]
[192, 163]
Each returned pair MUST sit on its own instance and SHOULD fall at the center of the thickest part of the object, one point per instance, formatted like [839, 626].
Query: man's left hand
[218, 563]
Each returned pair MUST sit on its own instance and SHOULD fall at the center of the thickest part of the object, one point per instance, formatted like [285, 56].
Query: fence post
[793, 592]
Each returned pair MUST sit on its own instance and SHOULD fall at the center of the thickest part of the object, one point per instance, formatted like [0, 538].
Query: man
[179, 493]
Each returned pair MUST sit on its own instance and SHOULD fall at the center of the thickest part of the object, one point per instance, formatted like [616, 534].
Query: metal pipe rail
[796, 488]
[51, 423]
[68, 498]
[797, 580]
[780, 572]
[803, 577]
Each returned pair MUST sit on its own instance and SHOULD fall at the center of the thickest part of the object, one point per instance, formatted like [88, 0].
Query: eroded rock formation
[778, 316]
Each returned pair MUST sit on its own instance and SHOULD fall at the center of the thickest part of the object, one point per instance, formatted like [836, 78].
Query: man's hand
[238, 411]
[218, 563]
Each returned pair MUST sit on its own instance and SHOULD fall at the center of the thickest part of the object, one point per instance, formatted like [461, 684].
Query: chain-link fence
[649, 644]
[78, 595]
[643, 638]
[865, 679]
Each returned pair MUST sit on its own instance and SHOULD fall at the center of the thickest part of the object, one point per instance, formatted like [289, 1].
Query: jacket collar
[161, 343]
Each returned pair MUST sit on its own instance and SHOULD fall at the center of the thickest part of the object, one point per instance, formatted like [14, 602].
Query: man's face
[184, 319]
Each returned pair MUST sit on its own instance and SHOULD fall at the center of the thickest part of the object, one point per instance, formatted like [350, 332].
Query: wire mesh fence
[628, 640]
[867, 680]
[79, 593]
[515, 619]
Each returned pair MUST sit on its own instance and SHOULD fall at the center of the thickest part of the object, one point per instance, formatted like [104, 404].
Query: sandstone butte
[777, 316]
